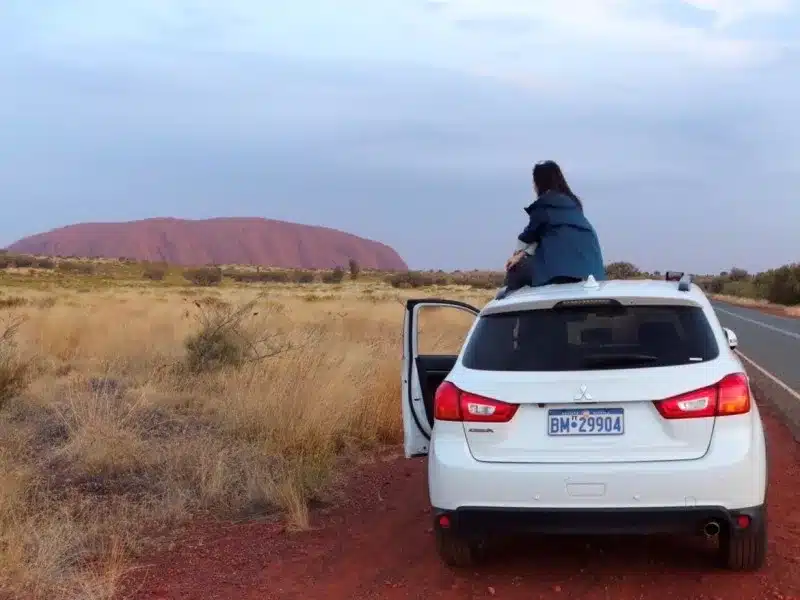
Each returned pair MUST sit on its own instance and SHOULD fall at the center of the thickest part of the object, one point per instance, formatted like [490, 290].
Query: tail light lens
[447, 403]
[453, 404]
[731, 396]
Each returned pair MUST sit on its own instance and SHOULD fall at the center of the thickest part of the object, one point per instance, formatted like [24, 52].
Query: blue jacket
[567, 244]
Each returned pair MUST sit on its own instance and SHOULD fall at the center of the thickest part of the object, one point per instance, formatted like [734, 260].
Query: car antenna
[591, 282]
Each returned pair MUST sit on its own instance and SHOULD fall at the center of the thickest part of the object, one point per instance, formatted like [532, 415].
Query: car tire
[745, 551]
[457, 551]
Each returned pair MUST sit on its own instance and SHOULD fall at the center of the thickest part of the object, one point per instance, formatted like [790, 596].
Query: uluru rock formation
[232, 240]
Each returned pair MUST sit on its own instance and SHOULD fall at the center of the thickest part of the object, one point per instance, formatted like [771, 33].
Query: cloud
[638, 26]
[447, 33]
[620, 51]
[730, 12]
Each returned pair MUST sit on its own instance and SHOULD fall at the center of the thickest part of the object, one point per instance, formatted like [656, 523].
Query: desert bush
[397, 280]
[763, 282]
[779, 286]
[76, 267]
[23, 260]
[303, 276]
[12, 301]
[334, 276]
[784, 287]
[155, 271]
[744, 288]
[716, 284]
[474, 279]
[13, 369]
[274, 276]
[227, 337]
[411, 279]
[204, 276]
[271, 276]
[241, 276]
[737, 274]
[480, 280]
[622, 270]
[354, 268]
[44, 263]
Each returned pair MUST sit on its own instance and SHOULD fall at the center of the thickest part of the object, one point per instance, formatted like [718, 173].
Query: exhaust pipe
[711, 529]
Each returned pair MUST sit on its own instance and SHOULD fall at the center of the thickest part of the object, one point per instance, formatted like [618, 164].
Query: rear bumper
[731, 475]
[479, 522]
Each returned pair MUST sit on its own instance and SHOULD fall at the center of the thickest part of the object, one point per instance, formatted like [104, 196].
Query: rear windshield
[581, 338]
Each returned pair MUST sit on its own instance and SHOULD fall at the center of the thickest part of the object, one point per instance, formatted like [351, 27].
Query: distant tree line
[780, 285]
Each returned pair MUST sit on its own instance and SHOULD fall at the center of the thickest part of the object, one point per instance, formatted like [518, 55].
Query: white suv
[612, 407]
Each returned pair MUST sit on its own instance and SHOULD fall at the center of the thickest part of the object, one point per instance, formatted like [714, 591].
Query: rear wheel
[456, 550]
[744, 550]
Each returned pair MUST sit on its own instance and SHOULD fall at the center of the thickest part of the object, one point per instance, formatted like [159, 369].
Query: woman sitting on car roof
[559, 245]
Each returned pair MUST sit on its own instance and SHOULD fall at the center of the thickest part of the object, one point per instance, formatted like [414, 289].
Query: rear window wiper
[613, 360]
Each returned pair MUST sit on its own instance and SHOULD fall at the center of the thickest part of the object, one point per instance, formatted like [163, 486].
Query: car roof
[644, 289]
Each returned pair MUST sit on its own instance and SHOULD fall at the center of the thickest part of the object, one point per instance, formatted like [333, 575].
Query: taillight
[452, 404]
[446, 403]
[731, 396]
[699, 403]
[734, 395]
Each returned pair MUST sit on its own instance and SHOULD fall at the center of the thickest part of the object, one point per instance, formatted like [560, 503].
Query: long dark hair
[547, 177]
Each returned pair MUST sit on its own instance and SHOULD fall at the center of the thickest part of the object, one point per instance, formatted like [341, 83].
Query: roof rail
[684, 279]
[673, 275]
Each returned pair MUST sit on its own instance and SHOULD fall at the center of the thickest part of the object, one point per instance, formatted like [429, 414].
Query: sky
[412, 122]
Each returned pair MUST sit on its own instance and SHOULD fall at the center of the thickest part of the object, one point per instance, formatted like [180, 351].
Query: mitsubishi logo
[582, 395]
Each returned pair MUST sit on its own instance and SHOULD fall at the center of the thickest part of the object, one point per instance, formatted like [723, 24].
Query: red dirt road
[377, 544]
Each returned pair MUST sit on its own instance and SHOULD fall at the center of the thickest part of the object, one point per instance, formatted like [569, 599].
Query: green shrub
[14, 370]
[227, 338]
[743, 288]
[785, 285]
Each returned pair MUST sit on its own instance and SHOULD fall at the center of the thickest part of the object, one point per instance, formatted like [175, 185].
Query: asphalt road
[770, 341]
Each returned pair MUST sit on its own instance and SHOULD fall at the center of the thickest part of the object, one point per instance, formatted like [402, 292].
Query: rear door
[586, 379]
[426, 366]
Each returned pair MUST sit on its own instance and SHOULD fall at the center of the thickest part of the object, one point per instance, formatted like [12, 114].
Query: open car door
[422, 374]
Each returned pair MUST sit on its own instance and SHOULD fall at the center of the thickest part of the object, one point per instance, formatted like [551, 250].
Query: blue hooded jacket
[567, 244]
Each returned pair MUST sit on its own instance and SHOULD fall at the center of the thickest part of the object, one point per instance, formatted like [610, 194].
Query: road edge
[770, 394]
[776, 310]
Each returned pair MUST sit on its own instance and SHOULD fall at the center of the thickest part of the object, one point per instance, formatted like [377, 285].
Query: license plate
[585, 421]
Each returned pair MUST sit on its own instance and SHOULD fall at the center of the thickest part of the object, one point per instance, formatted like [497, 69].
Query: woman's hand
[515, 258]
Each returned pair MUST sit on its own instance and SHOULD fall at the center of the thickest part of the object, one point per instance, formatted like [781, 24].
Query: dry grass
[109, 436]
[779, 309]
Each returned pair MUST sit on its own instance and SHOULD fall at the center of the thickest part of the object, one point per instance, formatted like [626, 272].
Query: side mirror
[733, 341]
